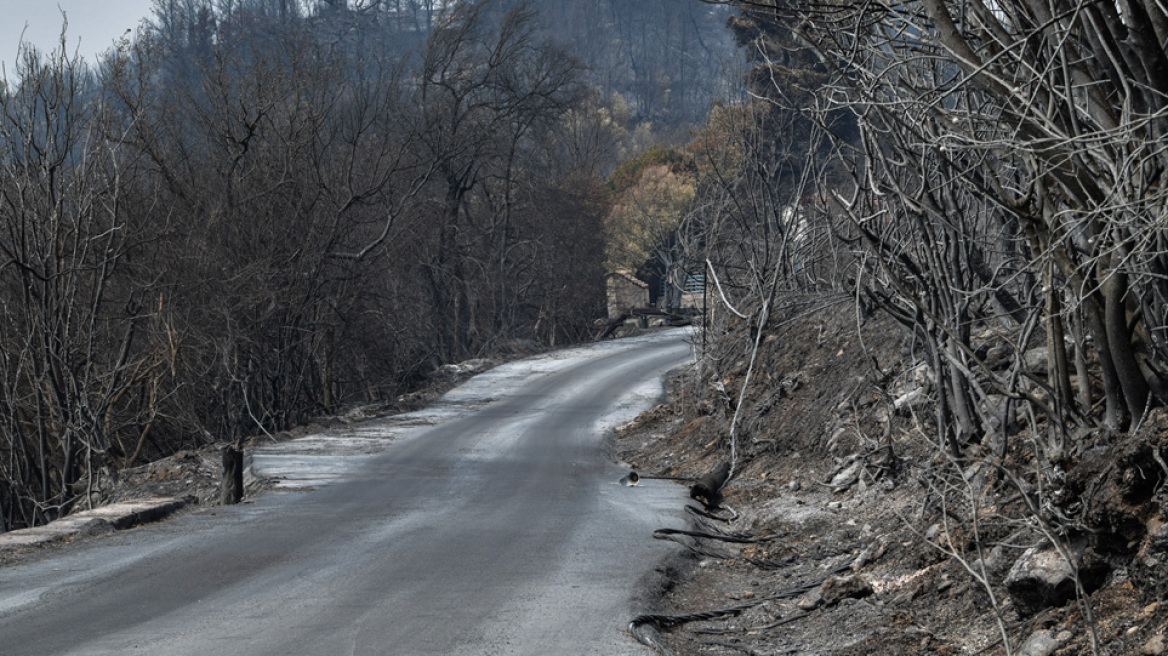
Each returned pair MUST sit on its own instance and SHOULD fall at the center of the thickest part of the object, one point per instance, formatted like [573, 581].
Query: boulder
[837, 588]
[1042, 578]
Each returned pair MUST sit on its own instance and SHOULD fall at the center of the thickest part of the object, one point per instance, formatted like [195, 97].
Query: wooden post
[231, 491]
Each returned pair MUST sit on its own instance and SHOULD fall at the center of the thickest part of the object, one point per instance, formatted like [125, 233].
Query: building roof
[627, 276]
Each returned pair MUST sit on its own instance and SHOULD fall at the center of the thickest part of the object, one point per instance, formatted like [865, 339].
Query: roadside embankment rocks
[1043, 577]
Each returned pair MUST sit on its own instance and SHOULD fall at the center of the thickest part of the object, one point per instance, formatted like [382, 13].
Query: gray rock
[909, 401]
[867, 555]
[810, 601]
[837, 588]
[1042, 577]
[1041, 643]
[847, 475]
[903, 598]
[995, 563]
[1035, 360]
[999, 357]
[1159, 537]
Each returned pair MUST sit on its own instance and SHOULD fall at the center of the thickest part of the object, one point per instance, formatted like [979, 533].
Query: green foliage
[629, 173]
[644, 221]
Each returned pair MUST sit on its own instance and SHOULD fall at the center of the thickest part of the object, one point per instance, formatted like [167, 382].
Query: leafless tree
[79, 376]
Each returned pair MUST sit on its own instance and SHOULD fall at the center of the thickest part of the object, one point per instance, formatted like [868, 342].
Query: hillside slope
[846, 530]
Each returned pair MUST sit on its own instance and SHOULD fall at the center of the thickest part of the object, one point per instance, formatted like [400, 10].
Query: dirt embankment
[845, 530]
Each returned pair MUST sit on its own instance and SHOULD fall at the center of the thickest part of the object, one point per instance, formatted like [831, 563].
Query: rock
[1040, 643]
[911, 400]
[1158, 537]
[1154, 646]
[1042, 577]
[1035, 360]
[933, 531]
[867, 555]
[998, 357]
[810, 601]
[837, 588]
[794, 485]
[994, 563]
[904, 598]
[847, 475]
[117, 516]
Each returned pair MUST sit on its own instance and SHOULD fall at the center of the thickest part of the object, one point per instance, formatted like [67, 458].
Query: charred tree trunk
[708, 488]
[1131, 379]
[231, 491]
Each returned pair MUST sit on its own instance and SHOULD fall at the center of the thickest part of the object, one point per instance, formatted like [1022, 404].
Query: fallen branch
[747, 629]
[694, 510]
[646, 628]
[661, 534]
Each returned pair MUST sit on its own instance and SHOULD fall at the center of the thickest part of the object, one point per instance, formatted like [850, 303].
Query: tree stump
[708, 488]
[231, 490]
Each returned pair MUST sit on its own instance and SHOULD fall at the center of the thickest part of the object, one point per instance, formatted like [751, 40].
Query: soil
[832, 539]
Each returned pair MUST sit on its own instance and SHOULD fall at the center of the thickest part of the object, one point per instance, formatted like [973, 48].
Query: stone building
[624, 292]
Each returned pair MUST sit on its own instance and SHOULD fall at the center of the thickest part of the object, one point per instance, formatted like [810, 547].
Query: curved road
[500, 530]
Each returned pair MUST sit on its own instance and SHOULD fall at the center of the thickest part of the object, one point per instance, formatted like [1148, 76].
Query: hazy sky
[93, 24]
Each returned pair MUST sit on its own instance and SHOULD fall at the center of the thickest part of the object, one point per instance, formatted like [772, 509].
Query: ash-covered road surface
[491, 523]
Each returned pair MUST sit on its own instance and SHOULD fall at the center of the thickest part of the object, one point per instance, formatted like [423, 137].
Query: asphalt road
[503, 530]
